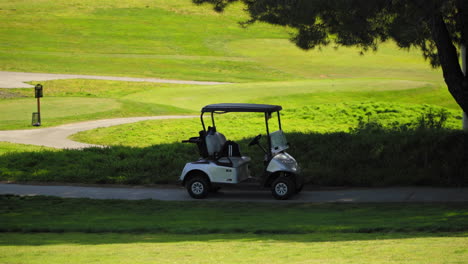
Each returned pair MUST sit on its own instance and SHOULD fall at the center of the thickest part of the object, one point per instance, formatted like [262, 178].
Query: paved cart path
[57, 137]
[18, 79]
[173, 193]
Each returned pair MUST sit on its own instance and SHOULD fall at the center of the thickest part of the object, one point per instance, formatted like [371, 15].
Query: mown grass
[108, 231]
[321, 118]
[170, 39]
[51, 214]
[176, 39]
[236, 248]
[78, 100]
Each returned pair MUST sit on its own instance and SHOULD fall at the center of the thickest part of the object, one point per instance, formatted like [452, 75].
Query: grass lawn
[233, 248]
[46, 229]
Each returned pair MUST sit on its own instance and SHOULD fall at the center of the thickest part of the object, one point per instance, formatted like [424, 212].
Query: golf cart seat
[214, 142]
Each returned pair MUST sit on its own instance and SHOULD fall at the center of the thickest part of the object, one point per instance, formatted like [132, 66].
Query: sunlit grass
[6, 147]
[241, 248]
[323, 118]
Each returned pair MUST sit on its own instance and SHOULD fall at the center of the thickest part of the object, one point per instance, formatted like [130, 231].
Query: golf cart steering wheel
[256, 140]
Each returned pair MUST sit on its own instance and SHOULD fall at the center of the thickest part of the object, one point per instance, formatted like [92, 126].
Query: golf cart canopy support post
[244, 108]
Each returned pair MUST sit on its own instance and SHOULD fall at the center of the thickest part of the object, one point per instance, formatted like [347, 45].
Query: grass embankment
[147, 231]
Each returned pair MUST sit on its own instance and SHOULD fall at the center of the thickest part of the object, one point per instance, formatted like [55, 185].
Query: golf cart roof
[264, 108]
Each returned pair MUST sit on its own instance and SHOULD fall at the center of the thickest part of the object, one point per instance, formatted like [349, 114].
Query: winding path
[57, 137]
[18, 79]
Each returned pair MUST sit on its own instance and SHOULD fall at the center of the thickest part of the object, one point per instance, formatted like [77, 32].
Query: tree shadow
[364, 157]
[240, 220]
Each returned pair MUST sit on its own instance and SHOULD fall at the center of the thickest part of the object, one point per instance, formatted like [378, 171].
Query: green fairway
[176, 39]
[137, 38]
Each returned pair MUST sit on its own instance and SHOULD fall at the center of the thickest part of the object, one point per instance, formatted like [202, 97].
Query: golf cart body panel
[232, 171]
[222, 163]
[283, 162]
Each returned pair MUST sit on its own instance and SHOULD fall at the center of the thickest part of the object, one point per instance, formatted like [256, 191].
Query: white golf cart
[221, 162]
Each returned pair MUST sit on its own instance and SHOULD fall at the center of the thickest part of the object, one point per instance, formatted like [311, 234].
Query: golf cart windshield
[278, 142]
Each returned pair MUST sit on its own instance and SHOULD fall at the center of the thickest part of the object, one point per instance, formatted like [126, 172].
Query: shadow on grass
[366, 157]
[220, 219]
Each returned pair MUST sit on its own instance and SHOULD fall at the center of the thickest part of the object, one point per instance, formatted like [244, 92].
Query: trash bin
[38, 91]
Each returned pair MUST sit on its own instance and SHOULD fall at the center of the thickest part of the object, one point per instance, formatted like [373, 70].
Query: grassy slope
[144, 38]
[138, 38]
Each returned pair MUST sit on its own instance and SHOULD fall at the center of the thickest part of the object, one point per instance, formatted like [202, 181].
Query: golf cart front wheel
[198, 187]
[283, 188]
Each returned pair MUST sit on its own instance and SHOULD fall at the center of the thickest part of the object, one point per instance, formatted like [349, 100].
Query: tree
[437, 27]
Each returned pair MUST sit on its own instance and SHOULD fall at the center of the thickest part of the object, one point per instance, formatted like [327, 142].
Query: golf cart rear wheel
[283, 188]
[198, 187]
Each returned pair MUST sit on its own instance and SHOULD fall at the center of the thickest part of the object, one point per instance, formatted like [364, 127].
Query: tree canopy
[436, 27]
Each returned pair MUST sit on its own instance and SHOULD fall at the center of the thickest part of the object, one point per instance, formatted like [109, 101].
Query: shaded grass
[50, 214]
[374, 157]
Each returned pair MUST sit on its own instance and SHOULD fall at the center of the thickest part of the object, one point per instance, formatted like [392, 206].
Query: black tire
[198, 187]
[283, 188]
